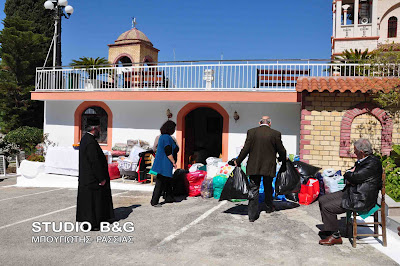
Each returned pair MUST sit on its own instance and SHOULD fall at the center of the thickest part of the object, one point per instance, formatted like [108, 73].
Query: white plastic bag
[213, 161]
[333, 181]
[212, 171]
[195, 167]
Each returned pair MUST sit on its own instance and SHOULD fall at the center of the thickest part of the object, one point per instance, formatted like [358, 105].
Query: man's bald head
[265, 120]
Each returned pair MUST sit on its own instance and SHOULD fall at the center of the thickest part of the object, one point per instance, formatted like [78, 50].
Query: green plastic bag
[218, 185]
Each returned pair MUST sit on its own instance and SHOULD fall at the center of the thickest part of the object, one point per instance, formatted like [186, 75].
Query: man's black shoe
[252, 220]
[325, 234]
[156, 205]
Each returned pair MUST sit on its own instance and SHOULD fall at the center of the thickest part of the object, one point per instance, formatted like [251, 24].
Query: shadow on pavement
[342, 228]
[241, 209]
[282, 205]
[122, 213]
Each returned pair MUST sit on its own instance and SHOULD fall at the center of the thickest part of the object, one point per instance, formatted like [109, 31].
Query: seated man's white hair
[364, 145]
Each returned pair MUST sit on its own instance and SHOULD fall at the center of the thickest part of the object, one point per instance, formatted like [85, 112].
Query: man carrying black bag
[262, 144]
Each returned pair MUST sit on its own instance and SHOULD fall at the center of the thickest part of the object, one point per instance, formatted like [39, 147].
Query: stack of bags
[310, 187]
[220, 179]
[119, 149]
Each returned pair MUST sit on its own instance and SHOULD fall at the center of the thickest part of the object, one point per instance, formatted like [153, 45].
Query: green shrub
[26, 138]
[392, 170]
[35, 158]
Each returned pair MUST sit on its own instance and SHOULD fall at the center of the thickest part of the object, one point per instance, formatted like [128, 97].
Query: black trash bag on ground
[287, 179]
[306, 170]
[293, 196]
[236, 187]
[180, 185]
[321, 184]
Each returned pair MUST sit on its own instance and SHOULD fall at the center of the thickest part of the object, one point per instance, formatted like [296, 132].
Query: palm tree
[90, 64]
[353, 57]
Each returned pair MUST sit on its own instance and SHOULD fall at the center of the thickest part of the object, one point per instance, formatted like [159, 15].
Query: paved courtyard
[195, 231]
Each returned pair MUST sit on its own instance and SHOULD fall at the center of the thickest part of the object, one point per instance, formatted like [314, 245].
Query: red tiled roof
[346, 84]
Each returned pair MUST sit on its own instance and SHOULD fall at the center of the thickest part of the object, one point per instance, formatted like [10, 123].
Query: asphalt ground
[194, 231]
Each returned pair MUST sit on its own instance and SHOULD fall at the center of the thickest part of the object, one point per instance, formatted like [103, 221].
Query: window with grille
[95, 116]
[392, 27]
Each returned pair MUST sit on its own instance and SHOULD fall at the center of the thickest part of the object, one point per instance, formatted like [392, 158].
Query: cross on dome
[134, 22]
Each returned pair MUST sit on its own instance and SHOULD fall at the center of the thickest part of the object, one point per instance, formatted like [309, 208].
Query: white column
[345, 17]
[338, 18]
[356, 9]
[334, 20]
[375, 18]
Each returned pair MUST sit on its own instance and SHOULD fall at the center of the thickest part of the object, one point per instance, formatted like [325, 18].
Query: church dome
[131, 36]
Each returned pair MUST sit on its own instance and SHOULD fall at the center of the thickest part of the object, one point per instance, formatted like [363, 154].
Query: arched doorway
[203, 135]
[211, 119]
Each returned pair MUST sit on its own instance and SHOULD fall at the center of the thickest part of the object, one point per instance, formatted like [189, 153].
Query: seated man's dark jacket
[365, 182]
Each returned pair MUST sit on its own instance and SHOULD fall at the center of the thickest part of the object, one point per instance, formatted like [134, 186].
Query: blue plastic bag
[261, 197]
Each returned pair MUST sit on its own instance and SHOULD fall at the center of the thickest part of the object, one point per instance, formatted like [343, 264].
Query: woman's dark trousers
[163, 184]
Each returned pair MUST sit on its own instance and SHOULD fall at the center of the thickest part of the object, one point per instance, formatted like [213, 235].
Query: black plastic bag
[321, 184]
[236, 187]
[306, 170]
[293, 196]
[287, 179]
[180, 185]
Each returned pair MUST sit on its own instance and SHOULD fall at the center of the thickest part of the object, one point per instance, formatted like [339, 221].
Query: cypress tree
[25, 40]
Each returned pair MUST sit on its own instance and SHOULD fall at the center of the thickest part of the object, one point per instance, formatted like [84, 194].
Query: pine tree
[32, 10]
[21, 52]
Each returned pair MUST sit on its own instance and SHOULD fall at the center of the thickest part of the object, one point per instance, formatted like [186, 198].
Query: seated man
[363, 183]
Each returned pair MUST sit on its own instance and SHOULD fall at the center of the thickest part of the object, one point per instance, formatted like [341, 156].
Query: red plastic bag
[113, 171]
[310, 192]
[195, 179]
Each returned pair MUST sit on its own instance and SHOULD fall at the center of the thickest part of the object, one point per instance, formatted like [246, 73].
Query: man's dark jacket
[262, 144]
[94, 203]
[366, 181]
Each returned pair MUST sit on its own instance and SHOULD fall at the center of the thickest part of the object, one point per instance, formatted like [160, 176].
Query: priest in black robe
[94, 203]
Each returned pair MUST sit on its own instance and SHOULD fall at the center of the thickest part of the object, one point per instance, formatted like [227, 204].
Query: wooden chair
[145, 164]
[352, 221]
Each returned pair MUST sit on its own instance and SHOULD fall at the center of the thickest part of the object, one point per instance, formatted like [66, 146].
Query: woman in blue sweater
[164, 162]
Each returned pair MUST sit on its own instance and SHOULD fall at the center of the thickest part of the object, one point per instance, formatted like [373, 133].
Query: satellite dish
[364, 20]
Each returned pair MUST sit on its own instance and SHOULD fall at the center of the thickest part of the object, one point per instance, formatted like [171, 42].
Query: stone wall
[331, 122]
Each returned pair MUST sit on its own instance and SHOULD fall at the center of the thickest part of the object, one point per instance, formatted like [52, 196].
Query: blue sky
[202, 30]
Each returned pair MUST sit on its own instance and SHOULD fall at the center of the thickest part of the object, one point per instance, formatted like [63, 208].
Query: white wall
[394, 10]
[285, 118]
[340, 46]
[142, 120]
[132, 120]
[59, 121]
